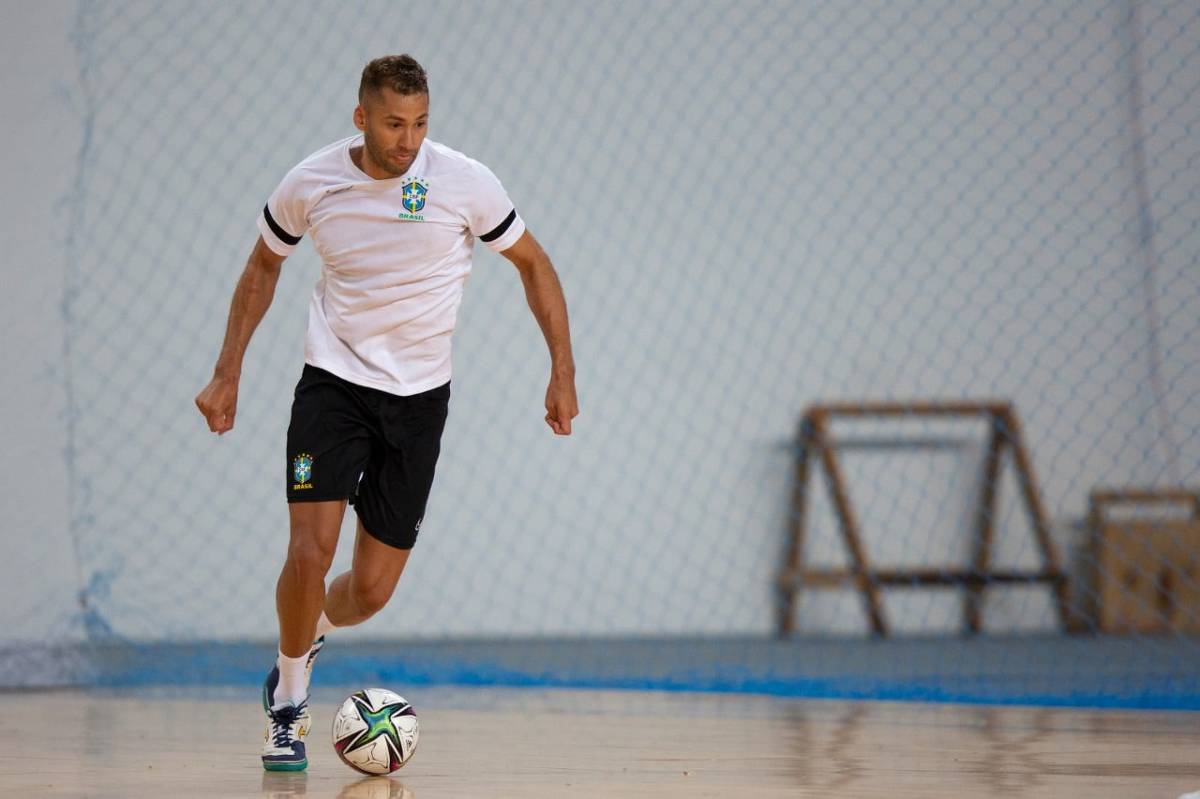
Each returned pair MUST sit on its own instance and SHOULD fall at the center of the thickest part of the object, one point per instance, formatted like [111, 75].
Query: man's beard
[380, 157]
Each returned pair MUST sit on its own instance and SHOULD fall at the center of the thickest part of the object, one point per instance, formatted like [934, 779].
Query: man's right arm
[255, 289]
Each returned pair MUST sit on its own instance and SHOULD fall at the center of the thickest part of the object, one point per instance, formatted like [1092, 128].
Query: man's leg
[357, 595]
[390, 503]
[300, 592]
[299, 595]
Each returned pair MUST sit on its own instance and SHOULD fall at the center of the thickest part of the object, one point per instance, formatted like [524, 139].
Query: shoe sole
[286, 766]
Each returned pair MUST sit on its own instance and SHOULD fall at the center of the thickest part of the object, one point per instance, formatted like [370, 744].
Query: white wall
[752, 207]
[1171, 118]
[40, 137]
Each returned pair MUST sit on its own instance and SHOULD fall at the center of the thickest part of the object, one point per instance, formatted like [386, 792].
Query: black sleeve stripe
[498, 231]
[283, 235]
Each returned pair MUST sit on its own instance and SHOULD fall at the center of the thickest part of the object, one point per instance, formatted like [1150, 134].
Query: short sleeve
[491, 215]
[284, 219]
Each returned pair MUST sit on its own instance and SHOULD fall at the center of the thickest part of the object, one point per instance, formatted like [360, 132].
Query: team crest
[302, 468]
[414, 191]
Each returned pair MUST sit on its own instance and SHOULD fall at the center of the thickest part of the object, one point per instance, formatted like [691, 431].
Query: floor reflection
[376, 788]
[284, 784]
[825, 743]
[288, 784]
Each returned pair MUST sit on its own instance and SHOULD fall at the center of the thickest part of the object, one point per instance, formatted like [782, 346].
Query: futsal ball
[375, 731]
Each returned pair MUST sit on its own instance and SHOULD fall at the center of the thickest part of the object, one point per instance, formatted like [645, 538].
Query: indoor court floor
[559, 743]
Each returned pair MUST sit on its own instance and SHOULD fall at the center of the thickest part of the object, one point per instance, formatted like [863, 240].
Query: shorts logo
[413, 192]
[302, 470]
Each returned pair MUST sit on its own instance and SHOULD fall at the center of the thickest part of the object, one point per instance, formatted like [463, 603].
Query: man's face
[393, 127]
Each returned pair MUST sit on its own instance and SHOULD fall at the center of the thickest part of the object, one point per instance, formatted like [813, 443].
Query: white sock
[324, 625]
[291, 680]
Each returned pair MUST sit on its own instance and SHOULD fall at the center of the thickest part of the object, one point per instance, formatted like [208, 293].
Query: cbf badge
[413, 192]
[302, 470]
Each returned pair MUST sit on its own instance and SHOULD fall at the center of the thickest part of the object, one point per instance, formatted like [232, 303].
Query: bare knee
[314, 534]
[370, 597]
[308, 560]
[311, 550]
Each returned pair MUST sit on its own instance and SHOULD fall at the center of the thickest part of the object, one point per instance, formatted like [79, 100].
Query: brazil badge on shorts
[302, 466]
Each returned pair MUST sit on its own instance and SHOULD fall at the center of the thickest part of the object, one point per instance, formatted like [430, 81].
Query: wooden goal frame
[814, 442]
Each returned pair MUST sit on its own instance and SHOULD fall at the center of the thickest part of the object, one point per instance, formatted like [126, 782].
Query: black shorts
[376, 449]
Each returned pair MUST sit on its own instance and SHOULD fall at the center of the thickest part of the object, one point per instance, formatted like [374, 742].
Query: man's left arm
[545, 296]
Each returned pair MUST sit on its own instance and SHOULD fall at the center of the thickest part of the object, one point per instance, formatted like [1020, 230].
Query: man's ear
[360, 118]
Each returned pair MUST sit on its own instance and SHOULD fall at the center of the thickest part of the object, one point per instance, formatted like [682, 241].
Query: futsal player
[394, 217]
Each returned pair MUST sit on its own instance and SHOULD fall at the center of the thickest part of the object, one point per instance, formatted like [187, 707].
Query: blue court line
[1047, 671]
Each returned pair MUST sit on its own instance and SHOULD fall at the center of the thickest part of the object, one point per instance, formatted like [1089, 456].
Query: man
[394, 218]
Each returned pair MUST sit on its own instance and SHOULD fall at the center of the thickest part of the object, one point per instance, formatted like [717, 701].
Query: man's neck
[362, 160]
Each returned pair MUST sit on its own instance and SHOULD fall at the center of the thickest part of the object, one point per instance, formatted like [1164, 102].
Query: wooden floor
[603, 744]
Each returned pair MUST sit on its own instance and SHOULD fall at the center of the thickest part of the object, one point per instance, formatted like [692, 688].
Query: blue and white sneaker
[283, 745]
[272, 681]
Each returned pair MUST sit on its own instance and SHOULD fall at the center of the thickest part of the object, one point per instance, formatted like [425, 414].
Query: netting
[755, 208]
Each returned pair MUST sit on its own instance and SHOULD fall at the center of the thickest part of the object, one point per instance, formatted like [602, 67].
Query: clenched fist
[218, 403]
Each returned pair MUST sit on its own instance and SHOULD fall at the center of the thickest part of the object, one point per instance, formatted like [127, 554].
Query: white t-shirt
[395, 253]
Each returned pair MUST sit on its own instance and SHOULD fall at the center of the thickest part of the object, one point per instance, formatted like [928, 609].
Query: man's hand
[549, 307]
[251, 298]
[561, 404]
[218, 403]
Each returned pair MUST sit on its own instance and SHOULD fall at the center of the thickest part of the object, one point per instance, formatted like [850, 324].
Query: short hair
[400, 73]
